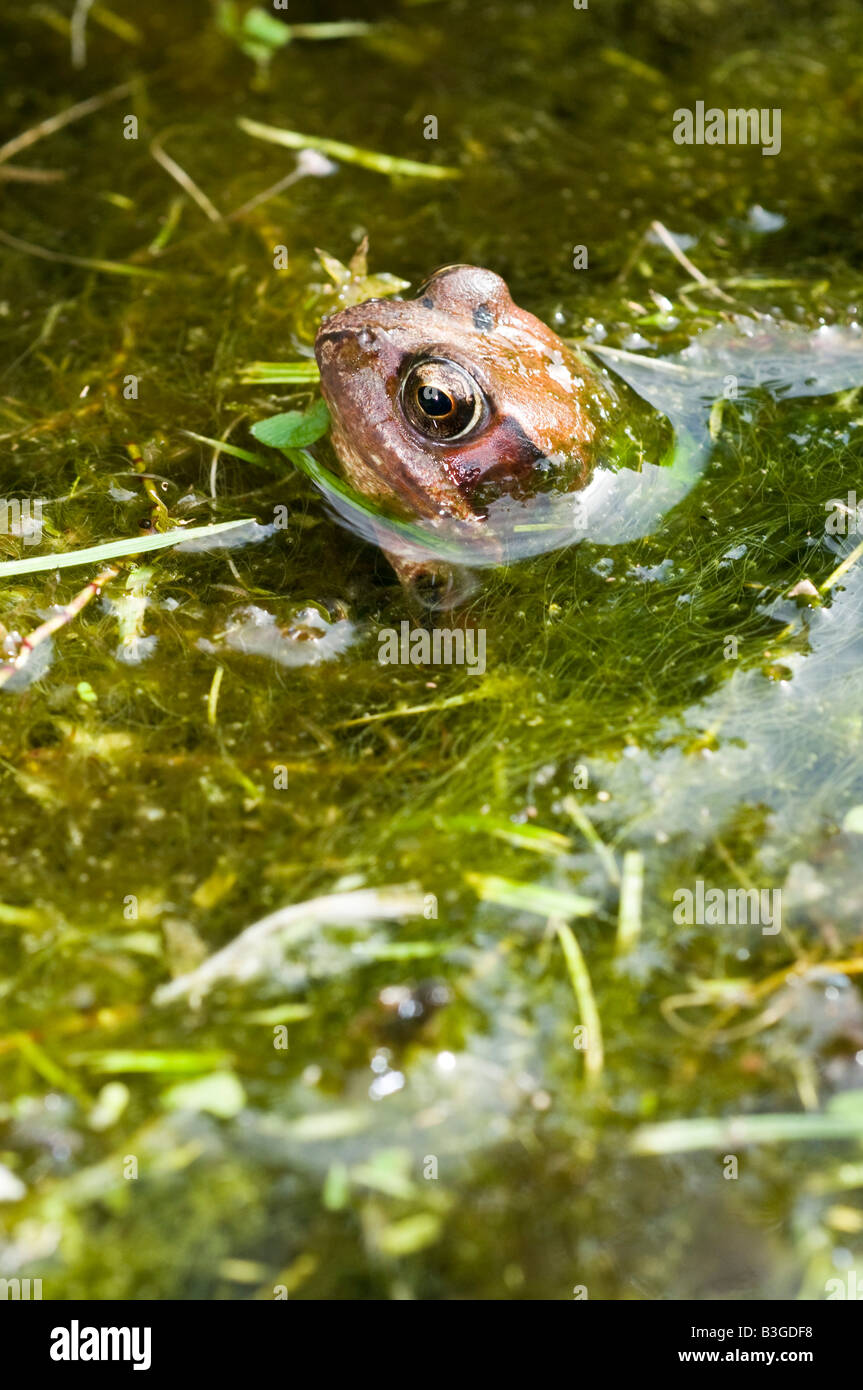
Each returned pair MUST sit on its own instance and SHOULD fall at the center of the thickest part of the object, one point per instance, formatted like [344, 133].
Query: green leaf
[295, 428]
[265, 28]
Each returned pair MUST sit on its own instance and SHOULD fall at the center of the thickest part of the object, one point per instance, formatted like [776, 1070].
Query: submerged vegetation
[362, 981]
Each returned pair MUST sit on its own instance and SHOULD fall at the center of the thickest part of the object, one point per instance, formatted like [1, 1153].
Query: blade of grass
[279, 373]
[688, 1136]
[629, 913]
[334, 29]
[533, 837]
[590, 833]
[530, 897]
[31, 918]
[224, 448]
[347, 154]
[433, 707]
[134, 545]
[184, 179]
[841, 570]
[583, 990]
[116, 1061]
[29, 248]
[48, 1069]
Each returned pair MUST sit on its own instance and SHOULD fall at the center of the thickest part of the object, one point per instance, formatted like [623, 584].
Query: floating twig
[63, 118]
[186, 182]
[311, 163]
[87, 262]
[61, 618]
[681, 257]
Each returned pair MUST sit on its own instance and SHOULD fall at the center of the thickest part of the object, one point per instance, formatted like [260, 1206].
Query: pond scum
[344, 980]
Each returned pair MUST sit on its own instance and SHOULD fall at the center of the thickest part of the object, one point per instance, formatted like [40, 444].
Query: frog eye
[441, 399]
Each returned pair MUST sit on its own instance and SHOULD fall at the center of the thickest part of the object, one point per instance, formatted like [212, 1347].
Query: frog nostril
[335, 337]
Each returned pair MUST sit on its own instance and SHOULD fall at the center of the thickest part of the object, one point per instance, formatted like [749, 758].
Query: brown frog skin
[443, 401]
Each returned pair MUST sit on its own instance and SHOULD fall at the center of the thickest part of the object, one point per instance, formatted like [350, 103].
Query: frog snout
[334, 336]
[349, 346]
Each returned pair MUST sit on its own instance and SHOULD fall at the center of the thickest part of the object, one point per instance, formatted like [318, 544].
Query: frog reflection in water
[443, 402]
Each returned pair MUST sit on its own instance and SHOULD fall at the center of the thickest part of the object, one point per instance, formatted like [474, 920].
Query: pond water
[509, 1048]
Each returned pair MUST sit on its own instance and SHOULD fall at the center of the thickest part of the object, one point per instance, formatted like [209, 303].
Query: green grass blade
[530, 897]
[583, 990]
[729, 1133]
[233, 449]
[347, 154]
[84, 262]
[112, 550]
[532, 837]
[279, 373]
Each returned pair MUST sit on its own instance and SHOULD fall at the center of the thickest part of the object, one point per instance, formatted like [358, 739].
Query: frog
[443, 402]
